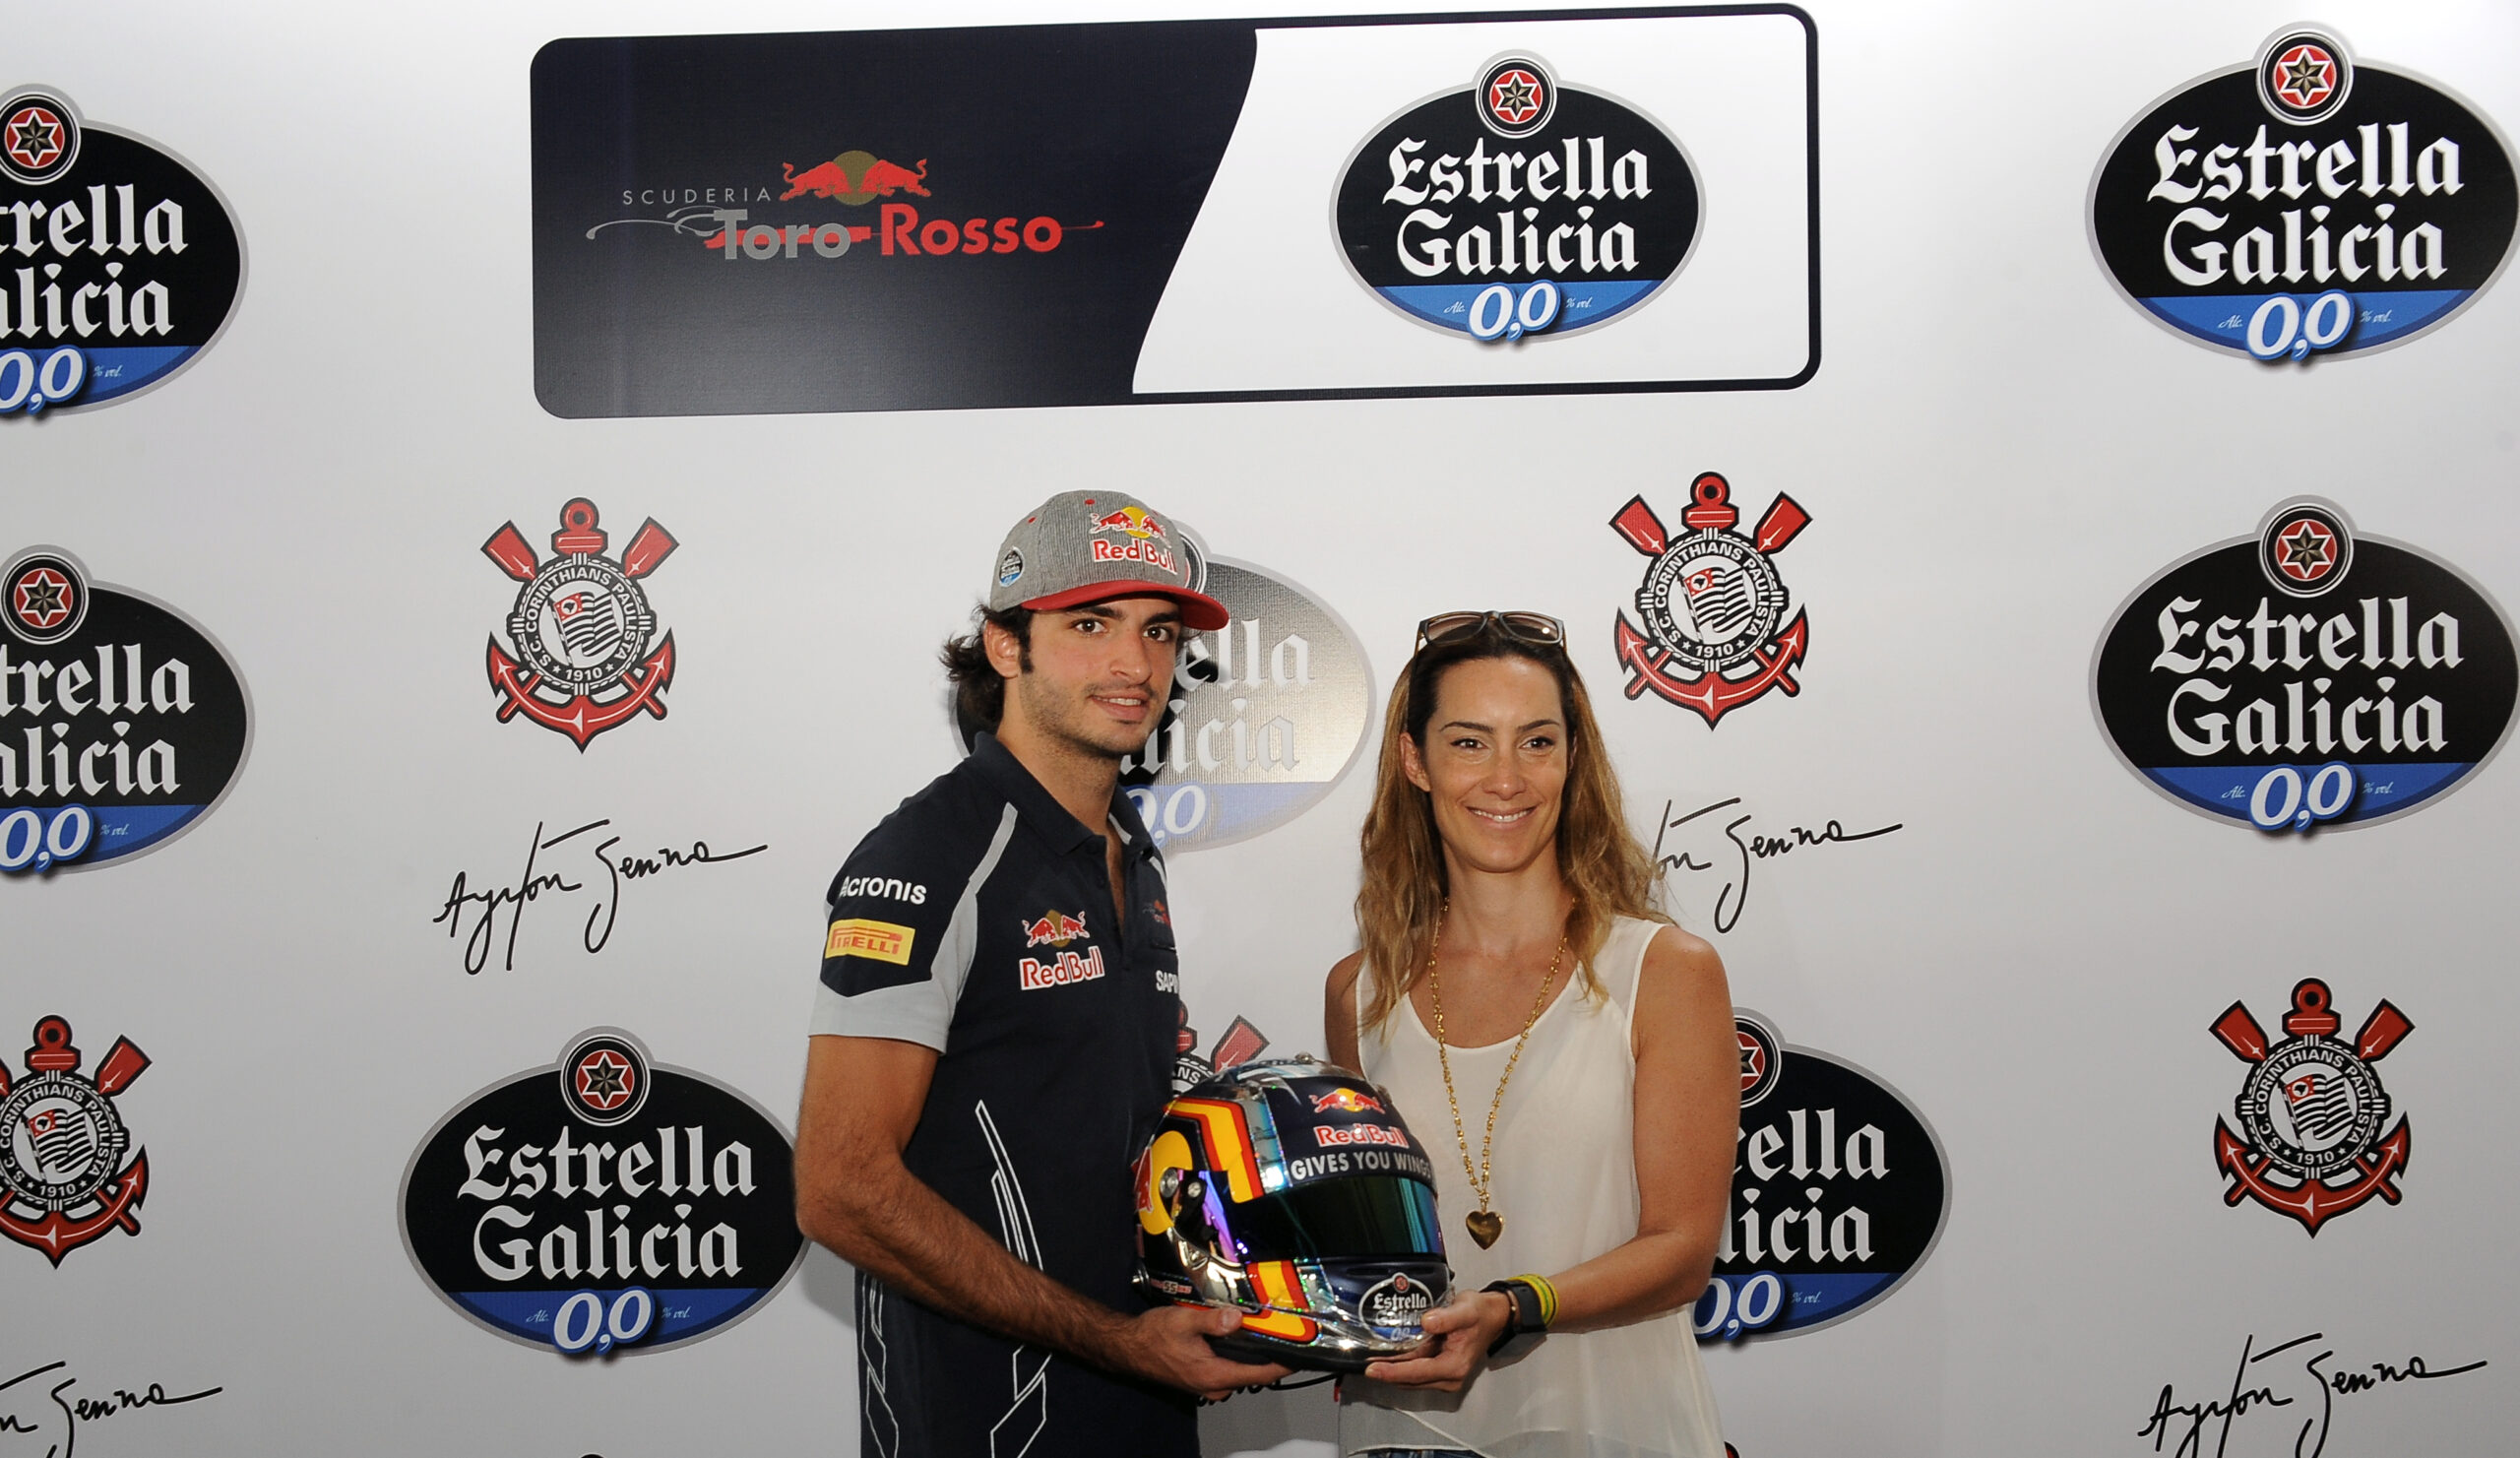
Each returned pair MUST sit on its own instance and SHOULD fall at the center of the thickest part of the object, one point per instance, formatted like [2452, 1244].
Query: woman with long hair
[1566, 1054]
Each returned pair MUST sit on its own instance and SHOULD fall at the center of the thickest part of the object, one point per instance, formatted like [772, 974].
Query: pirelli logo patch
[880, 940]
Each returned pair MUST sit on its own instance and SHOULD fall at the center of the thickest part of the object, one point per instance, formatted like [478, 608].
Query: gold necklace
[1485, 1224]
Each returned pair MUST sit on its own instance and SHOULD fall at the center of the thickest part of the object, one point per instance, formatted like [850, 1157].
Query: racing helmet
[1291, 1190]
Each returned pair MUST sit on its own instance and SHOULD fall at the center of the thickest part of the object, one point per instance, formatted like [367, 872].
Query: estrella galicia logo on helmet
[1715, 633]
[1517, 207]
[2306, 205]
[2307, 675]
[64, 1180]
[2312, 1111]
[1839, 1193]
[581, 628]
[603, 1202]
[123, 263]
[121, 722]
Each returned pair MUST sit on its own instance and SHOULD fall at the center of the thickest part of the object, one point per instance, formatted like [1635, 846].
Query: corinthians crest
[1715, 633]
[2312, 1111]
[581, 628]
[63, 1180]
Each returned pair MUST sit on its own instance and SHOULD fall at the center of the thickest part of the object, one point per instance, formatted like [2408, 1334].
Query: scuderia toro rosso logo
[118, 263]
[603, 1202]
[1517, 207]
[579, 629]
[1715, 633]
[2306, 675]
[2311, 1112]
[759, 223]
[2310, 204]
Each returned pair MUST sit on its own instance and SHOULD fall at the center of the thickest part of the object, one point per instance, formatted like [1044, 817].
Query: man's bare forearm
[896, 1228]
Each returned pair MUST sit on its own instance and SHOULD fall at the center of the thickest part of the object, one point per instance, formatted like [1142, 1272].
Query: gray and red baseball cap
[1083, 547]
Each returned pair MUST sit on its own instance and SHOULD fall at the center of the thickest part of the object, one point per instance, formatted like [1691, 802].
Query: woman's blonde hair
[1406, 885]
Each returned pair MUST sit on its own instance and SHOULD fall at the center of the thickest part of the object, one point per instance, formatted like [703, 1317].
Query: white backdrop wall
[1996, 451]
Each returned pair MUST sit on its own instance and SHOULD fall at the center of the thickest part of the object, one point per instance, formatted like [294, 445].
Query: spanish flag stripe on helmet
[1277, 1284]
[1227, 1139]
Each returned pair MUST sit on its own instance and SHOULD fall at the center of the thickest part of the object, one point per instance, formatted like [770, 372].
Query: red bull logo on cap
[1347, 1101]
[1136, 521]
[1058, 929]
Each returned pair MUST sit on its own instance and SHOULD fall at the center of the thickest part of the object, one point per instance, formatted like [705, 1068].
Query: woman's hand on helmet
[1460, 1332]
[1169, 1344]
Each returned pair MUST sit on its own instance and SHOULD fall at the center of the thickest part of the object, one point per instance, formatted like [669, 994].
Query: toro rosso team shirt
[976, 920]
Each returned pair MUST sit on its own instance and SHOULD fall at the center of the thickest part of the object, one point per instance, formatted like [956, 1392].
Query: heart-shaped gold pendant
[1485, 1227]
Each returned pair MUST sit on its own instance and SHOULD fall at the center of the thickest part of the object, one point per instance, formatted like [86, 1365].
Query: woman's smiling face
[1493, 762]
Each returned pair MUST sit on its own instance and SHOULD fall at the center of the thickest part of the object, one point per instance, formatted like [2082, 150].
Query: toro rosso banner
[1115, 214]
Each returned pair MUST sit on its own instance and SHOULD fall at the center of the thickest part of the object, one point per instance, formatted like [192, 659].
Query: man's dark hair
[979, 692]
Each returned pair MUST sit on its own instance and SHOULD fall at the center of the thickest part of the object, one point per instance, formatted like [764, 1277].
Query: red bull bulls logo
[854, 178]
[1132, 519]
[1058, 929]
[1347, 1101]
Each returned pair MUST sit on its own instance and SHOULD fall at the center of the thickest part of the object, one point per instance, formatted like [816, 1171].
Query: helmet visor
[1369, 1217]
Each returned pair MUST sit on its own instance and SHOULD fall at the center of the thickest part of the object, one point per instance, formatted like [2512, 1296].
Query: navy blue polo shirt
[976, 920]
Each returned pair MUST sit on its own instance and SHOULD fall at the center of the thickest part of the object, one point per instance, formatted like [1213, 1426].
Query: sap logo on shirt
[880, 940]
[1033, 976]
[890, 890]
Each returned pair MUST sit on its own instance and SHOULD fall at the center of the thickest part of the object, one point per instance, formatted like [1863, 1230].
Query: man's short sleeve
[899, 942]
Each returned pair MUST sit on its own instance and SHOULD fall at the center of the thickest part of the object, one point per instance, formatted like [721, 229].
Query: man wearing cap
[996, 1030]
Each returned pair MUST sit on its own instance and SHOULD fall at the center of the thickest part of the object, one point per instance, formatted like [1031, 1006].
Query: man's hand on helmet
[1170, 1345]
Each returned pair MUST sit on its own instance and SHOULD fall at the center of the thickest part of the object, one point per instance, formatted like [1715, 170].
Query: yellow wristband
[1547, 1298]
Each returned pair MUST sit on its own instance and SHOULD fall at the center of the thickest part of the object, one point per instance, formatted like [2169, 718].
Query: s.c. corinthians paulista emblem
[2309, 674]
[64, 1179]
[2311, 1142]
[1716, 634]
[581, 628]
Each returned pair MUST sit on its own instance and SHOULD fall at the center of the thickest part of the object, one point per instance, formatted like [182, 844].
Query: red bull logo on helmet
[1347, 1101]
[1058, 929]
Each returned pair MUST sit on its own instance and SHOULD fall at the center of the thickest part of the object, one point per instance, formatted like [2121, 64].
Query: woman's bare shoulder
[1345, 971]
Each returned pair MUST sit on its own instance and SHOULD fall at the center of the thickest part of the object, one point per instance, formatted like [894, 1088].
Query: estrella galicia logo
[1716, 632]
[603, 1202]
[2310, 204]
[581, 628]
[1839, 1193]
[64, 1180]
[1518, 207]
[121, 722]
[2306, 675]
[1267, 712]
[2312, 1111]
[126, 262]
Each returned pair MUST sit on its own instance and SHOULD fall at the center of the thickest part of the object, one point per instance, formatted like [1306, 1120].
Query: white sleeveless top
[1566, 1181]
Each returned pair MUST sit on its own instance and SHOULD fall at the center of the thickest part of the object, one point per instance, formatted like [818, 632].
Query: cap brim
[1198, 610]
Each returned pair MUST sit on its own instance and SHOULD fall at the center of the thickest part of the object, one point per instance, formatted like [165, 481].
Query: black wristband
[1524, 1311]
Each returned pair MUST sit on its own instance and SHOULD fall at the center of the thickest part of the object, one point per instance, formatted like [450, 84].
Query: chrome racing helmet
[1291, 1190]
